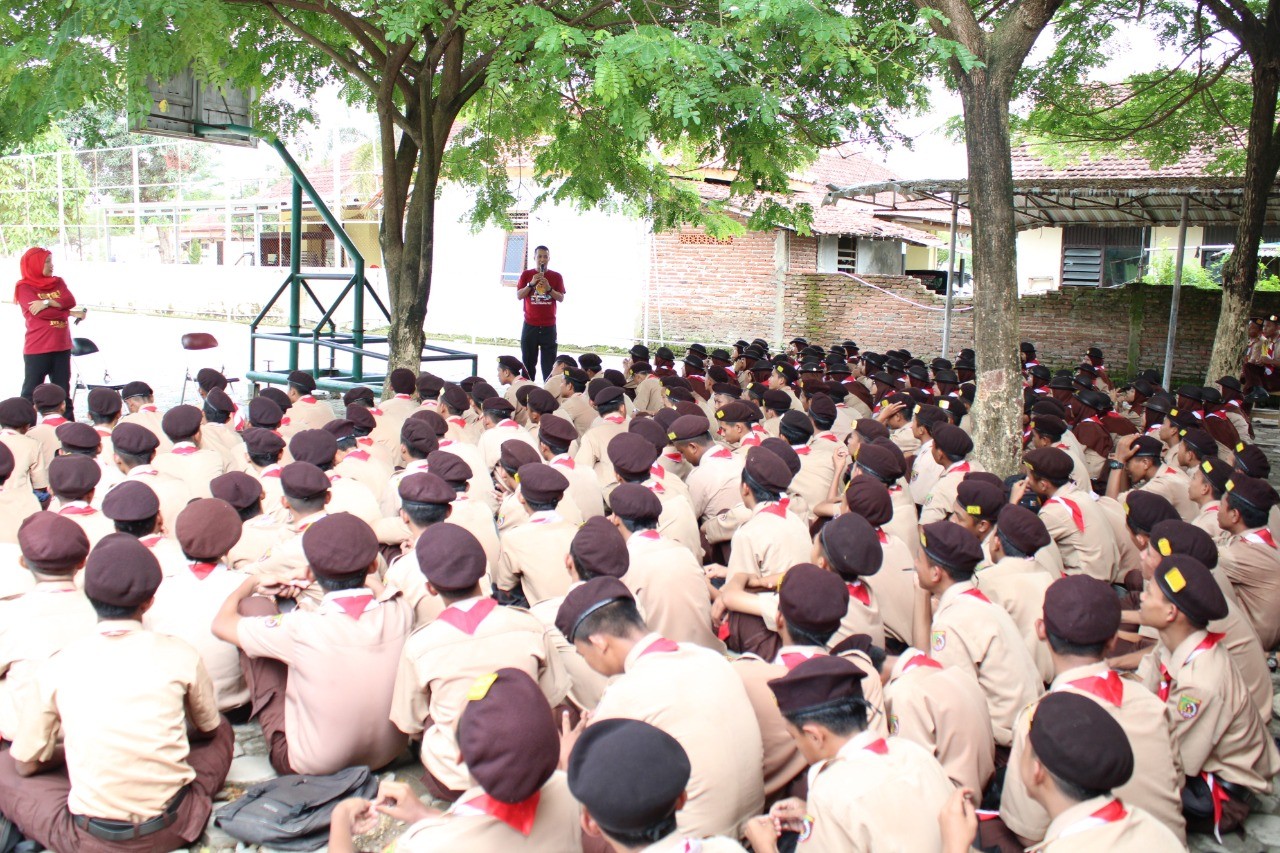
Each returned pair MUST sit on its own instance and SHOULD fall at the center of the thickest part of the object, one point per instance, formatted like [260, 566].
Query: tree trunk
[997, 421]
[1240, 273]
[410, 287]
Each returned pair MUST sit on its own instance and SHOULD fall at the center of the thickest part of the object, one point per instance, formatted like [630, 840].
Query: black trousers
[534, 339]
[56, 366]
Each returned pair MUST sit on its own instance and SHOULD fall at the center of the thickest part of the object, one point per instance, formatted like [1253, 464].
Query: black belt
[123, 830]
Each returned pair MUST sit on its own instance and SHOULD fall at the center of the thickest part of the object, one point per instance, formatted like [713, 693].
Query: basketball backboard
[180, 107]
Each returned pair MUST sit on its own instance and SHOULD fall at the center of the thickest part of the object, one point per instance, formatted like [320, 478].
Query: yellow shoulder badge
[938, 640]
[1188, 707]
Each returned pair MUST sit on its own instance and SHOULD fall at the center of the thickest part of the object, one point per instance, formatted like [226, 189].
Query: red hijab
[32, 266]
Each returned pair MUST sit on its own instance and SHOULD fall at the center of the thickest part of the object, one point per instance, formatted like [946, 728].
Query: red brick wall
[803, 256]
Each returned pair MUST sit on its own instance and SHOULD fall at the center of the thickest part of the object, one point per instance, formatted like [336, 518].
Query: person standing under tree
[46, 303]
[540, 289]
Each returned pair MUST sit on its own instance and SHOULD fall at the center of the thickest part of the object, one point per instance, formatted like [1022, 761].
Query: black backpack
[293, 812]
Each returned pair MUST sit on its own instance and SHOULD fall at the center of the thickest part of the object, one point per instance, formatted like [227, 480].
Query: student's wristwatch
[1114, 464]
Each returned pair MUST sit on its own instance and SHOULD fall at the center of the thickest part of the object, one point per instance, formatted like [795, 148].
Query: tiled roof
[1028, 163]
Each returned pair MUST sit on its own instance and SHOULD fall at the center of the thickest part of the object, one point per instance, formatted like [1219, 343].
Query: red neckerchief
[272, 471]
[1169, 469]
[791, 660]
[77, 510]
[1219, 796]
[878, 746]
[1261, 536]
[507, 422]
[660, 646]
[202, 570]
[658, 471]
[151, 541]
[467, 621]
[778, 508]
[921, 660]
[657, 489]
[184, 451]
[519, 816]
[1166, 683]
[353, 605]
[364, 441]
[959, 468]
[650, 534]
[1213, 508]
[720, 453]
[828, 436]
[749, 440]
[150, 407]
[1092, 419]
[674, 456]
[461, 423]
[404, 396]
[1109, 687]
[1166, 679]
[103, 433]
[615, 418]
[802, 450]
[976, 593]
[1076, 515]
[358, 455]
[53, 420]
[563, 461]
[882, 536]
[858, 590]
[308, 399]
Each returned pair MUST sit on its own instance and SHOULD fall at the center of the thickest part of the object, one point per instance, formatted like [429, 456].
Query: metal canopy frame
[324, 335]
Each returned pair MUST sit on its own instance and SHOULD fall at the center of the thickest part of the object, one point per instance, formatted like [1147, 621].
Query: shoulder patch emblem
[893, 724]
[938, 640]
[273, 621]
[1188, 707]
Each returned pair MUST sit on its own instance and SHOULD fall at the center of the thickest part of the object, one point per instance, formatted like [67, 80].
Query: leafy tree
[600, 94]
[1219, 96]
[30, 200]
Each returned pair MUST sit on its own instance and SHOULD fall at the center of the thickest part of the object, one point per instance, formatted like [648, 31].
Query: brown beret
[450, 557]
[1180, 537]
[208, 378]
[869, 429]
[607, 395]
[952, 441]
[1189, 585]
[280, 398]
[869, 498]
[449, 467]
[980, 499]
[48, 396]
[1081, 610]
[497, 404]
[797, 421]
[316, 446]
[1216, 472]
[623, 803]
[851, 544]
[587, 598]
[74, 476]
[339, 546]
[17, 412]
[52, 542]
[598, 546]
[303, 481]
[136, 389]
[426, 384]
[340, 429]
[813, 599]
[541, 483]
[688, 427]
[419, 437]
[131, 500]
[455, 398]
[1148, 446]
[1050, 426]
[950, 545]
[818, 682]
[359, 394]
[105, 402]
[634, 501]
[6, 462]
[208, 528]
[1050, 463]
[510, 362]
[1199, 441]
[631, 454]
[878, 461]
[1249, 459]
[402, 380]
[425, 488]
[666, 417]
[783, 451]
[262, 442]
[264, 413]
[134, 440]
[651, 431]
[541, 401]
[237, 488]
[1253, 491]
[736, 412]
[121, 571]
[78, 436]
[822, 406]
[1023, 528]
[767, 470]
[218, 400]
[779, 401]
[181, 422]
[507, 736]
[432, 419]
[1078, 740]
[361, 418]
[303, 380]
[1144, 510]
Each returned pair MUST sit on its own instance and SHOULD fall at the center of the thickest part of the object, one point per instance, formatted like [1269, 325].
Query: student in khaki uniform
[516, 800]
[716, 477]
[1223, 743]
[397, 408]
[925, 470]
[668, 583]
[468, 638]
[967, 630]
[353, 462]
[51, 405]
[259, 533]
[36, 625]
[1076, 524]
[1141, 468]
[187, 601]
[672, 686]
[321, 681]
[83, 440]
[633, 458]
[593, 446]
[857, 779]
[1077, 753]
[144, 755]
[318, 447]
[649, 398]
[951, 447]
[883, 462]
[426, 500]
[134, 509]
[849, 546]
[511, 512]
[1050, 431]
[634, 812]
[1207, 490]
[1250, 559]
[265, 451]
[817, 471]
[188, 460]
[135, 447]
[499, 428]
[466, 511]
[305, 411]
[531, 565]
[17, 416]
[417, 441]
[943, 710]
[140, 400]
[218, 434]
[894, 585]
[1081, 616]
[555, 436]
[512, 374]
[73, 480]
[305, 497]
[573, 402]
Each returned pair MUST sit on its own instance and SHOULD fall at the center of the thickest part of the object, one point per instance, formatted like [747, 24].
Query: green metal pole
[295, 267]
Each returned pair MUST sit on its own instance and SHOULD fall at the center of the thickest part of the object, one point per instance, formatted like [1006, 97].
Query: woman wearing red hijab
[46, 304]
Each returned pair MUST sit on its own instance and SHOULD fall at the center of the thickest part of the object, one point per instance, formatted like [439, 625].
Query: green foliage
[1162, 270]
[30, 197]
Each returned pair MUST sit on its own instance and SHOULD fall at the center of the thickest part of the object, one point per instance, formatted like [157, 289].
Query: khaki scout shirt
[771, 541]
[586, 686]
[649, 396]
[904, 524]
[1172, 483]
[1083, 533]
[468, 826]
[671, 588]
[125, 738]
[694, 695]
[33, 628]
[443, 658]
[152, 419]
[16, 505]
[342, 669]
[783, 760]
[1241, 642]
[192, 465]
[94, 524]
[677, 521]
[29, 472]
[365, 468]
[943, 710]
[491, 441]
[1157, 778]
[258, 535]
[1017, 584]
[1252, 563]
[925, 472]
[856, 800]
[942, 497]
[173, 494]
[1128, 558]
[906, 440]
[861, 617]
[715, 486]
[578, 410]
[533, 556]
[584, 490]
[894, 586]
[1215, 724]
[972, 633]
[593, 447]
[307, 413]
[1092, 826]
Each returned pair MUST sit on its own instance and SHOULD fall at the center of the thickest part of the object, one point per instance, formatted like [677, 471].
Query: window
[515, 248]
[847, 254]
[1106, 257]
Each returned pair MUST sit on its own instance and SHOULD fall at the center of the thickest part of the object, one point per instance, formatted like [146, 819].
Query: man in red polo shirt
[540, 289]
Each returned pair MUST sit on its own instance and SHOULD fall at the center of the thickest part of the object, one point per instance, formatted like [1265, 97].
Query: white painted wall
[1039, 256]
[879, 257]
